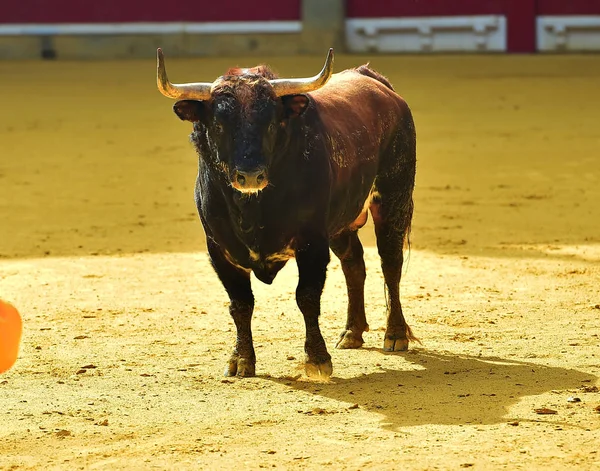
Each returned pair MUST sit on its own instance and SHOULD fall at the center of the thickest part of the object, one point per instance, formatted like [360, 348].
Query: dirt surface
[126, 330]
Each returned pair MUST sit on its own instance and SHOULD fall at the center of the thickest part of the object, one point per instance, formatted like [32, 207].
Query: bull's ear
[294, 105]
[190, 110]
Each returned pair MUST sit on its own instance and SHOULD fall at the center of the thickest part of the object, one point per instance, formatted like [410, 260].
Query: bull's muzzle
[251, 181]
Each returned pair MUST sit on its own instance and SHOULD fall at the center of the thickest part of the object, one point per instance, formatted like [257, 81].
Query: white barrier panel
[431, 34]
[568, 33]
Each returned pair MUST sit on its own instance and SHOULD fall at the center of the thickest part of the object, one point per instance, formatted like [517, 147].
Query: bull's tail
[410, 336]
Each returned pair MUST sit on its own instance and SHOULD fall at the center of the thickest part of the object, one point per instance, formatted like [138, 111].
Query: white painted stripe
[245, 27]
[233, 27]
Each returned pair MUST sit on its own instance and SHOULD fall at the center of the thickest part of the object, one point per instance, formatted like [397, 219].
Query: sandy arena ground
[126, 331]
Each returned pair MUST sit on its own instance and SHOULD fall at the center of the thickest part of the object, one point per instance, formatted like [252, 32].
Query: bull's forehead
[245, 92]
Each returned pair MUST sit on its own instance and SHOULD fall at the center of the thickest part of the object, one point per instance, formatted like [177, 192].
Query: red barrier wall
[387, 8]
[521, 14]
[124, 11]
[568, 7]
[415, 8]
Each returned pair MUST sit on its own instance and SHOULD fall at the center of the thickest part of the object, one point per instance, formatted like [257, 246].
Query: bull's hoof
[391, 344]
[240, 367]
[319, 371]
[349, 339]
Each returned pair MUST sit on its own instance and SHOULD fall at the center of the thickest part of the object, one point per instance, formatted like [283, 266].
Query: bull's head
[241, 114]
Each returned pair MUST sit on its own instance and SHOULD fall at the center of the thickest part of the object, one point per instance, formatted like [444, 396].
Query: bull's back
[358, 111]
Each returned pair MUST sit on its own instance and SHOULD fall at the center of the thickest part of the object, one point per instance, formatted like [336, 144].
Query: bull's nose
[250, 181]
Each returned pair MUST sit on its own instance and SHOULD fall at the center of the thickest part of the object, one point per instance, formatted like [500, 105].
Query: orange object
[11, 327]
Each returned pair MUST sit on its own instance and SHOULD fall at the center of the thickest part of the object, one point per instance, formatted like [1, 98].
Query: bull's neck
[246, 213]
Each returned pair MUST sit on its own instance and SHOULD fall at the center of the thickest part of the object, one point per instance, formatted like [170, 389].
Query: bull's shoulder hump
[350, 85]
[350, 93]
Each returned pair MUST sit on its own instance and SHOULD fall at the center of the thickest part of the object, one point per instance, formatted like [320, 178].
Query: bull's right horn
[183, 91]
[304, 85]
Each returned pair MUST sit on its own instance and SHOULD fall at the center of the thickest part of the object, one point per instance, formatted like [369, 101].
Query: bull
[290, 168]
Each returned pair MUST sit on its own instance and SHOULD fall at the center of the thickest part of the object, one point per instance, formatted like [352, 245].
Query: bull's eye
[218, 128]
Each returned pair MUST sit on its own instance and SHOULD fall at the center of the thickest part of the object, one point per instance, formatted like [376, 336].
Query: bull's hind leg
[349, 250]
[392, 213]
[237, 284]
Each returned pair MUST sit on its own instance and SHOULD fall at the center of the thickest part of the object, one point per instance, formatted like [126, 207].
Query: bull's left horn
[183, 91]
[304, 85]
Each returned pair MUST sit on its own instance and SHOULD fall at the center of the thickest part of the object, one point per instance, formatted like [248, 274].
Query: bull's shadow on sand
[446, 389]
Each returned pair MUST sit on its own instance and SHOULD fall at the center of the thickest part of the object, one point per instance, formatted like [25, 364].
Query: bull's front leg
[312, 257]
[237, 284]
